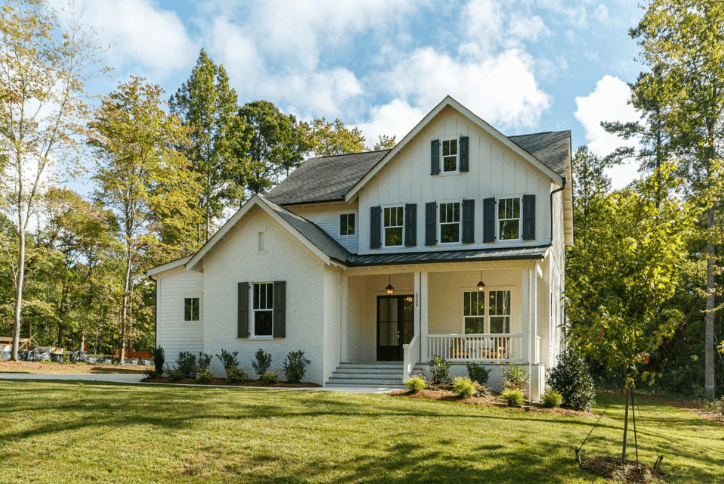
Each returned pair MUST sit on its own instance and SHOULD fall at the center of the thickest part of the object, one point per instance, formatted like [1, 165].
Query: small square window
[509, 218]
[449, 155]
[392, 225]
[449, 222]
[191, 309]
[346, 224]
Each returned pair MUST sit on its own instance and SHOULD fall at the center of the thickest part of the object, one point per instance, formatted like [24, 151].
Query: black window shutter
[528, 217]
[280, 309]
[243, 316]
[375, 227]
[468, 221]
[435, 157]
[489, 220]
[410, 225]
[464, 145]
[430, 223]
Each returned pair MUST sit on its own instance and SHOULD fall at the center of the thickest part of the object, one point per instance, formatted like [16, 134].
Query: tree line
[165, 173]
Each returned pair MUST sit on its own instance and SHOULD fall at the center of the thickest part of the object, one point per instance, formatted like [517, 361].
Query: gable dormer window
[392, 225]
[346, 224]
[509, 219]
[449, 149]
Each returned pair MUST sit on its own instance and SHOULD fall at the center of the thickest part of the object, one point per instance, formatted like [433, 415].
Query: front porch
[437, 310]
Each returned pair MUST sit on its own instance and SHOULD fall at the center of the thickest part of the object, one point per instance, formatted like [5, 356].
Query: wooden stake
[625, 428]
[578, 456]
[657, 466]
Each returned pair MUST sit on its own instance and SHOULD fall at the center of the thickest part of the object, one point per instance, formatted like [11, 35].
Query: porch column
[525, 320]
[344, 321]
[417, 304]
[423, 318]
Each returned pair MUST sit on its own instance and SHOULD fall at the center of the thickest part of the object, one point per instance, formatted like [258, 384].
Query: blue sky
[523, 66]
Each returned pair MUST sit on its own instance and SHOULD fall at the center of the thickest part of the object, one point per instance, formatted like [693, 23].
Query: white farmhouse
[450, 244]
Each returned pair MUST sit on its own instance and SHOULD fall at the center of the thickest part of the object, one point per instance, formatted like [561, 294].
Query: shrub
[464, 386]
[203, 361]
[236, 375]
[478, 373]
[552, 398]
[295, 366]
[571, 378]
[515, 378]
[270, 376]
[204, 375]
[440, 370]
[514, 398]
[186, 364]
[158, 361]
[228, 360]
[175, 375]
[416, 384]
[261, 363]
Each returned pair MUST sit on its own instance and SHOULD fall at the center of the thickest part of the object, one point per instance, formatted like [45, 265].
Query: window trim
[520, 218]
[457, 157]
[402, 227]
[252, 312]
[183, 308]
[460, 223]
[486, 317]
[339, 227]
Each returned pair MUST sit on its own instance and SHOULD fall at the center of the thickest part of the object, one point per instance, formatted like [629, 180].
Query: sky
[524, 66]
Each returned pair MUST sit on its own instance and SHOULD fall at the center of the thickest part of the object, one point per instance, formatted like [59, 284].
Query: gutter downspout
[155, 316]
[551, 200]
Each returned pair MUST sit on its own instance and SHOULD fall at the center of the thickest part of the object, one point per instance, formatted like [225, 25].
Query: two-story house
[450, 244]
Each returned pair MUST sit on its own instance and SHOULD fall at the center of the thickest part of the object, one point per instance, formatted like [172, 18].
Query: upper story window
[509, 219]
[392, 224]
[263, 307]
[449, 155]
[450, 222]
[191, 309]
[346, 224]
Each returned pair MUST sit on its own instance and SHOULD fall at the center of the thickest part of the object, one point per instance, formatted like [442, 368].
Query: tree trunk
[709, 376]
[124, 309]
[19, 281]
[625, 428]
[82, 341]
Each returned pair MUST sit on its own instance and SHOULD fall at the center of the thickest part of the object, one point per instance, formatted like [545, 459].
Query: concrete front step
[372, 366]
[396, 383]
[388, 374]
[367, 376]
[376, 371]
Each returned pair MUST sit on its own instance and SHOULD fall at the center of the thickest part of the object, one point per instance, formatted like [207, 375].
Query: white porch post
[525, 286]
[344, 321]
[423, 316]
[417, 304]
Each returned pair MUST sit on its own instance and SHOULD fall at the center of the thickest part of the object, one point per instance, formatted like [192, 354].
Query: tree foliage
[326, 138]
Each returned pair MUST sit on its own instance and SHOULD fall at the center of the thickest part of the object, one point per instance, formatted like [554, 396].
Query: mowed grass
[85, 432]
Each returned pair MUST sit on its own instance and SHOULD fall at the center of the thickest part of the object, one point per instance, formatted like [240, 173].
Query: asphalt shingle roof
[324, 179]
[551, 148]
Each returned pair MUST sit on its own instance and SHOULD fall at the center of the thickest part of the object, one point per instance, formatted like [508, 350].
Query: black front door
[395, 326]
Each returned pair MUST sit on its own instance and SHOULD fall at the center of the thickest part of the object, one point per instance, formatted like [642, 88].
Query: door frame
[400, 312]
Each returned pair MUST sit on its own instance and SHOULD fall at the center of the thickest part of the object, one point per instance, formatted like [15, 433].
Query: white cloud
[491, 25]
[138, 30]
[608, 102]
[501, 89]
[395, 118]
[601, 13]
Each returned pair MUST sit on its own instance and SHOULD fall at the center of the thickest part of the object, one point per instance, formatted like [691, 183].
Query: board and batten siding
[494, 171]
[327, 218]
[174, 334]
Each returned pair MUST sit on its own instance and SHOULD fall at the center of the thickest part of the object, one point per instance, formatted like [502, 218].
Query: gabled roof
[449, 101]
[324, 179]
[550, 147]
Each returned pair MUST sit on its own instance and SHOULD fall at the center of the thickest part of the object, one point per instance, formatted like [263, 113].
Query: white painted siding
[495, 171]
[326, 216]
[285, 259]
[174, 334]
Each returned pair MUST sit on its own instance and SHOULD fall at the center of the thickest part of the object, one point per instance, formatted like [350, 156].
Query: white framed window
[509, 216]
[393, 221]
[449, 155]
[488, 312]
[191, 309]
[263, 308]
[347, 224]
[450, 226]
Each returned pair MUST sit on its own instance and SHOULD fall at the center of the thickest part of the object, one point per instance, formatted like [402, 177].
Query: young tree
[683, 42]
[207, 104]
[43, 71]
[142, 175]
[621, 284]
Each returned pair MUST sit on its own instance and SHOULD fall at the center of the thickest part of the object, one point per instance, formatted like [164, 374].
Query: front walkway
[118, 378]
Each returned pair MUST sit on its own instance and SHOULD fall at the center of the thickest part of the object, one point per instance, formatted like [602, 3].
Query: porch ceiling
[512, 253]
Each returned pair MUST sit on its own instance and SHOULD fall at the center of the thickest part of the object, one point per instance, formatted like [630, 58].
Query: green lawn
[73, 432]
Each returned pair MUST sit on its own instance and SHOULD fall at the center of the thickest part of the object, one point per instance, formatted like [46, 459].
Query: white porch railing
[476, 347]
[410, 356]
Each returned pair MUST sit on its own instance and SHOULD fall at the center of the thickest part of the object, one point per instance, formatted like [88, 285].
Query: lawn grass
[83, 432]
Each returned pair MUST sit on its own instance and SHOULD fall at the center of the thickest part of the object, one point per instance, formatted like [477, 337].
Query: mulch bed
[445, 393]
[224, 382]
[610, 468]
